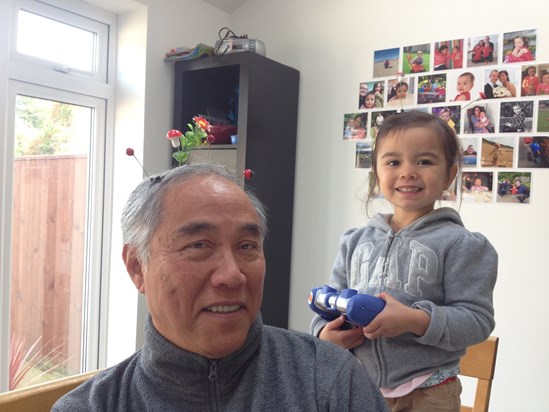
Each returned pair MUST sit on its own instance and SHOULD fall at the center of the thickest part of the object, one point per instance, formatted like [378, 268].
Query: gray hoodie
[434, 264]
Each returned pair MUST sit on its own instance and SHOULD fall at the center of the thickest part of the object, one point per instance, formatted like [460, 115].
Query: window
[53, 192]
[58, 39]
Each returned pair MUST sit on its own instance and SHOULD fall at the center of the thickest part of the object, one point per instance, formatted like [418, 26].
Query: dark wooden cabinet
[264, 95]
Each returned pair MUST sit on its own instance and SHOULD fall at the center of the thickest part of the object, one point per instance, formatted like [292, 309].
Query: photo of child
[355, 126]
[519, 46]
[416, 58]
[482, 50]
[497, 151]
[470, 151]
[401, 93]
[431, 88]
[451, 115]
[514, 187]
[516, 116]
[533, 152]
[477, 187]
[386, 62]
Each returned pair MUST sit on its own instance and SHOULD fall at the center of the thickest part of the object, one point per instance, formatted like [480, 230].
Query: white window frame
[34, 78]
[54, 12]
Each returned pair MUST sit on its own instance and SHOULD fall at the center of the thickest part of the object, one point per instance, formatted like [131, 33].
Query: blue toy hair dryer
[358, 308]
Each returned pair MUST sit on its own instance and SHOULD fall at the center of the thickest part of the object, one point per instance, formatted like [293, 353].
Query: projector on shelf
[239, 44]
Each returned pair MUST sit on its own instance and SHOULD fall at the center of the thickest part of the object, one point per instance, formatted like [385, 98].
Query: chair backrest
[41, 397]
[480, 362]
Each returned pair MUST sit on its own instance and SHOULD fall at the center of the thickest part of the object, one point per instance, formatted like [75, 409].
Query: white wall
[332, 44]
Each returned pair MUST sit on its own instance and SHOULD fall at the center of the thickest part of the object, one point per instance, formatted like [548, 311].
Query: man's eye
[249, 246]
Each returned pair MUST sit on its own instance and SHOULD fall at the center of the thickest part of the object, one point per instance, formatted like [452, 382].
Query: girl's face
[519, 42]
[401, 92]
[503, 77]
[412, 172]
[370, 101]
[476, 110]
[378, 88]
[517, 109]
[478, 182]
[545, 78]
[464, 84]
[444, 116]
[531, 71]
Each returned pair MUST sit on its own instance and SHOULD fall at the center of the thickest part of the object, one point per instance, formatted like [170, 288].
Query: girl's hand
[347, 339]
[396, 319]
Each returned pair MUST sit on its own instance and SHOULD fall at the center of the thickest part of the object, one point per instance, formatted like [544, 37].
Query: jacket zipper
[212, 377]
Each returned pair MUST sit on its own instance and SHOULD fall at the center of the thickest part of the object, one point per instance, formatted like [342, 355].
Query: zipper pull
[213, 371]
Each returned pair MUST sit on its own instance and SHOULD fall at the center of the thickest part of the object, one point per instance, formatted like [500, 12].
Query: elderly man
[193, 245]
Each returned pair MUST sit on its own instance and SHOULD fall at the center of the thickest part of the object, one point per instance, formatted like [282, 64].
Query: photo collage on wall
[489, 88]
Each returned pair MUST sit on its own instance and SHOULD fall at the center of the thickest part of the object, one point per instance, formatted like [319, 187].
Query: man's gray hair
[143, 210]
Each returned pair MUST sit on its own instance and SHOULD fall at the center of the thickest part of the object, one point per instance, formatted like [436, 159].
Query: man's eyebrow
[194, 228]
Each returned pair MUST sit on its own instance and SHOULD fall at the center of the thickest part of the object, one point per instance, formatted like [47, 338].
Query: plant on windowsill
[184, 142]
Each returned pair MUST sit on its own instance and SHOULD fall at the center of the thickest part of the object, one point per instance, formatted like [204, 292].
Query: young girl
[369, 101]
[465, 83]
[520, 52]
[530, 81]
[457, 58]
[436, 277]
[543, 87]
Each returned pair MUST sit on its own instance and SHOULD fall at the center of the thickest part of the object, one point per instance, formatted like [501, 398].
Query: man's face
[204, 279]
[494, 76]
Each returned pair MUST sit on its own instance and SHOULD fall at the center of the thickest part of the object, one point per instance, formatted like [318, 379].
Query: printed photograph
[431, 88]
[400, 92]
[480, 118]
[450, 114]
[386, 62]
[497, 151]
[533, 152]
[543, 116]
[476, 187]
[514, 187]
[363, 155]
[482, 50]
[448, 54]
[516, 116]
[416, 58]
[371, 95]
[464, 85]
[354, 126]
[519, 46]
[470, 151]
[377, 119]
[501, 82]
[534, 80]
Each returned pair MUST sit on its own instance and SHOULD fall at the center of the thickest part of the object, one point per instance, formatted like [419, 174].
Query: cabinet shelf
[261, 96]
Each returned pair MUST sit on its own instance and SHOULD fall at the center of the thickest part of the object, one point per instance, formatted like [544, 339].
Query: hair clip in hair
[248, 174]
[130, 152]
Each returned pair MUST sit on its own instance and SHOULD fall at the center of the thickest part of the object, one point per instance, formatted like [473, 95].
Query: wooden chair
[41, 397]
[480, 362]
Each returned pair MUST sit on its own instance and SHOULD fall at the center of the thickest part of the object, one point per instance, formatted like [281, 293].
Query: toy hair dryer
[358, 308]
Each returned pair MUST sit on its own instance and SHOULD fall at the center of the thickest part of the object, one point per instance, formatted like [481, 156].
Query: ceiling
[226, 5]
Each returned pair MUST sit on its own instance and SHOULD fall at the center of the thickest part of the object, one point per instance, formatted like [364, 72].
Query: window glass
[52, 141]
[55, 41]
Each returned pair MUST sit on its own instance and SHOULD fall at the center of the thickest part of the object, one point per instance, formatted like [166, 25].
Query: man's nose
[227, 271]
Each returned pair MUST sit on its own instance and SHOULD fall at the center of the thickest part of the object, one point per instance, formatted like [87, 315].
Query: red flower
[202, 123]
[129, 151]
[210, 138]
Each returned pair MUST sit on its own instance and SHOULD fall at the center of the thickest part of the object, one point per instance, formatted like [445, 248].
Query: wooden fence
[48, 240]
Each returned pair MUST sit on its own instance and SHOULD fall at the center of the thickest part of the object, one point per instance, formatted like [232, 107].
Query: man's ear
[451, 175]
[134, 267]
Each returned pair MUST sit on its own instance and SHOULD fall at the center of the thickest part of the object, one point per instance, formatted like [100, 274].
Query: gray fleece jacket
[275, 370]
[434, 264]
